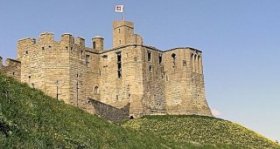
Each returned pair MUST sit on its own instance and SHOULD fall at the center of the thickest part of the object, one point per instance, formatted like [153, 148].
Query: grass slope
[29, 119]
[201, 130]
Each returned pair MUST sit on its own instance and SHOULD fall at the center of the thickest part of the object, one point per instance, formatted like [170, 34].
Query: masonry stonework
[139, 78]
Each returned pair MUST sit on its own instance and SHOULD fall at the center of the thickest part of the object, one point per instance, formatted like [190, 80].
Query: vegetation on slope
[200, 130]
[29, 119]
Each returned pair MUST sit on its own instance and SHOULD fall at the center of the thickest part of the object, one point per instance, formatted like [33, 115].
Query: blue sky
[240, 40]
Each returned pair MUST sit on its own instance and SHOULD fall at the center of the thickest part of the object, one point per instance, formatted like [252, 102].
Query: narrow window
[120, 41]
[150, 68]
[119, 30]
[43, 48]
[13, 73]
[166, 78]
[119, 63]
[26, 52]
[117, 97]
[160, 59]
[149, 55]
[184, 63]
[96, 90]
[94, 45]
[66, 48]
[87, 60]
[50, 46]
[173, 55]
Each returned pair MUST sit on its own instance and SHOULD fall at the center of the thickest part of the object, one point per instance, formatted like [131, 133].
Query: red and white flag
[119, 8]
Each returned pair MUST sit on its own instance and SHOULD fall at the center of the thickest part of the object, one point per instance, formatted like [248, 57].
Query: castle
[139, 78]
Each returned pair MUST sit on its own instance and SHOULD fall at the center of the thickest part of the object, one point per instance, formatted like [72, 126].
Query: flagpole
[120, 9]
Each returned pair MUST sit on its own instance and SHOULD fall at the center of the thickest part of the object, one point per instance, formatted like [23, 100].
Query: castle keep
[132, 77]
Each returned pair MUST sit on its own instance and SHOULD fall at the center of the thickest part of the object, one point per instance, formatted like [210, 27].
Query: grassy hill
[200, 130]
[30, 119]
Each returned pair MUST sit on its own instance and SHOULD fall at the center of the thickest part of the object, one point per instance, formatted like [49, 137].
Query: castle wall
[153, 81]
[11, 68]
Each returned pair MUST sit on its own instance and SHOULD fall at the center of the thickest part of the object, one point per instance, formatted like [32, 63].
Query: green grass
[200, 130]
[30, 119]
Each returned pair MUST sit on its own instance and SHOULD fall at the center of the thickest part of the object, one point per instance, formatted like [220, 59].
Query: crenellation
[67, 40]
[139, 78]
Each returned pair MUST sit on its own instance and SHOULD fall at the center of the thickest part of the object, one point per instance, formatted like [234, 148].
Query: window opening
[174, 59]
[87, 60]
[96, 90]
[94, 45]
[119, 63]
[149, 55]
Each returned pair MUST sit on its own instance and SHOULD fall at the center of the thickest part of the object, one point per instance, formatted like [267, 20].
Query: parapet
[46, 37]
[26, 42]
[11, 62]
[117, 24]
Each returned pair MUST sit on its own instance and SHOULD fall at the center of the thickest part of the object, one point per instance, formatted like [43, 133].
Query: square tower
[122, 32]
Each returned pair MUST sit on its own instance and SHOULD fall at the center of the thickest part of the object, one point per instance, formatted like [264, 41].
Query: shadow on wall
[109, 112]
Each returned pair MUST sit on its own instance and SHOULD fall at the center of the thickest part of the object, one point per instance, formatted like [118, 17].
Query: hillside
[30, 119]
[200, 130]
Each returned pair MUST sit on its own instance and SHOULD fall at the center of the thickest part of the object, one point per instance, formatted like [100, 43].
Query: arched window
[96, 90]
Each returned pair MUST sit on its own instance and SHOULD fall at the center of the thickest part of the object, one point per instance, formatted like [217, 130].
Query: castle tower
[122, 31]
[98, 44]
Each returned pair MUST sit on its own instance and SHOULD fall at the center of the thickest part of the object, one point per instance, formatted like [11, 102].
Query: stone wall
[11, 68]
[109, 112]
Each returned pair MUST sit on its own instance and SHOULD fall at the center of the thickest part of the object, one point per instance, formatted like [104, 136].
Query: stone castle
[131, 77]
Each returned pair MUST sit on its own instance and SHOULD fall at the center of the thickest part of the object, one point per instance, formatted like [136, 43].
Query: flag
[119, 8]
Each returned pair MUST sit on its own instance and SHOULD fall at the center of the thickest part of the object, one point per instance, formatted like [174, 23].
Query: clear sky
[240, 40]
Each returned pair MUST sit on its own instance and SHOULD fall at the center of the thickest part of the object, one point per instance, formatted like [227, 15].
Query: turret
[80, 41]
[98, 44]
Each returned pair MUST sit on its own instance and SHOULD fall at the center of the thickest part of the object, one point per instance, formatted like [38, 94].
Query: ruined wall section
[153, 71]
[11, 68]
[184, 86]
